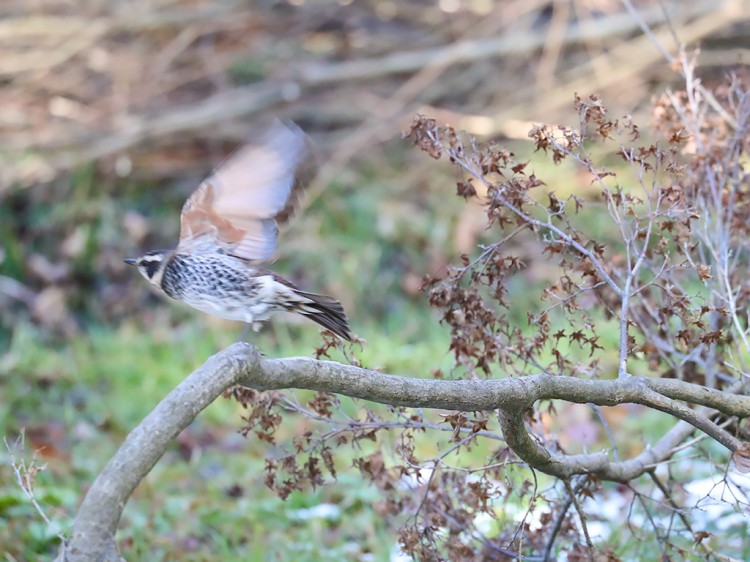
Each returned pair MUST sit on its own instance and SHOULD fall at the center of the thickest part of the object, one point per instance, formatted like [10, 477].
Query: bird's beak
[129, 261]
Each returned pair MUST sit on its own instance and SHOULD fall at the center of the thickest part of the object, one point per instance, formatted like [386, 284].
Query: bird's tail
[326, 311]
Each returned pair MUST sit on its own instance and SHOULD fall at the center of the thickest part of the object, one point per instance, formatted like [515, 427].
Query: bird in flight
[228, 228]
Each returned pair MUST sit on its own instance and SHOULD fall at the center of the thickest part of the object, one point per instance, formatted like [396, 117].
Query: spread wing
[235, 209]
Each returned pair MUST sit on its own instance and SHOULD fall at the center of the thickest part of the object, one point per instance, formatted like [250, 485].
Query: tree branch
[93, 536]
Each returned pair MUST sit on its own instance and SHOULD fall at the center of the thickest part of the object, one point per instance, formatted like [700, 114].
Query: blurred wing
[235, 209]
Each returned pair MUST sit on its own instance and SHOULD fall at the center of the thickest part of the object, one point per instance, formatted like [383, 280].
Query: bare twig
[26, 474]
[646, 28]
[464, 163]
[660, 540]
[700, 541]
[582, 519]
[556, 526]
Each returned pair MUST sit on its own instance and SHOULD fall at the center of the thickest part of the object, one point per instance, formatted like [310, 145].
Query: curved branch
[93, 535]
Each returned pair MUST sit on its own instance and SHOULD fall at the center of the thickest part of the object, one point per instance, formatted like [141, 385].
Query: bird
[228, 231]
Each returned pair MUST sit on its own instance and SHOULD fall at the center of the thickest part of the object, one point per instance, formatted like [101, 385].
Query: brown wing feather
[235, 209]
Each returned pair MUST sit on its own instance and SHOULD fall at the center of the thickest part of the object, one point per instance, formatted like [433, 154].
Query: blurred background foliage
[110, 115]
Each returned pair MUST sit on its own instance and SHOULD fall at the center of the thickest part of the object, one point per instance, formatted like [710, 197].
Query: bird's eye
[150, 266]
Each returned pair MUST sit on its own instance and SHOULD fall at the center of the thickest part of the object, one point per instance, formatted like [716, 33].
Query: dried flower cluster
[652, 277]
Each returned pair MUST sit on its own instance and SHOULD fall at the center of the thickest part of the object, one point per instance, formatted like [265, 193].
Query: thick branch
[512, 397]
[93, 536]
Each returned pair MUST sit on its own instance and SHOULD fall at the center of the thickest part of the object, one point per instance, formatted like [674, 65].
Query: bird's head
[151, 265]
